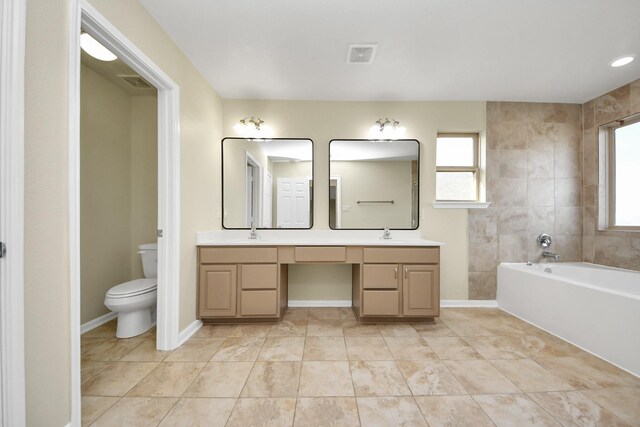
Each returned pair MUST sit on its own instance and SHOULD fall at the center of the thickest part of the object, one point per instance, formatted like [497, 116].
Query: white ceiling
[519, 50]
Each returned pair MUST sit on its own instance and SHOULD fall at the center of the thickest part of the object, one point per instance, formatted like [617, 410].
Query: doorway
[168, 183]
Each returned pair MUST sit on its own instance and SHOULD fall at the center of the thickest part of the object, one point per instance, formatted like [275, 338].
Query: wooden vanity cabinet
[250, 283]
[246, 289]
[400, 290]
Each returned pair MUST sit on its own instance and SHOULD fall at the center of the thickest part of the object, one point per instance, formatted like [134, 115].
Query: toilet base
[132, 323]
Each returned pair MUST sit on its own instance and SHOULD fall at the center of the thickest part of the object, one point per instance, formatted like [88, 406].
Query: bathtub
[594, 307]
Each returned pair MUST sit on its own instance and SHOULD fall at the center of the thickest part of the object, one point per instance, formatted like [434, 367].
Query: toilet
[135, 301]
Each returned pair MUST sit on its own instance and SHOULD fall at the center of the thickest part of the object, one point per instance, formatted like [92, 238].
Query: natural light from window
[627, 175]
[456, 167]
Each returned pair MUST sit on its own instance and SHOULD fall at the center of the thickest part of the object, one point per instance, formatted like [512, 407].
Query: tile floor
[473, 367]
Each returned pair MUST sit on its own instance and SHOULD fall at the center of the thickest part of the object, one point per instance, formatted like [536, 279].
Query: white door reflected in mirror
[267, 182]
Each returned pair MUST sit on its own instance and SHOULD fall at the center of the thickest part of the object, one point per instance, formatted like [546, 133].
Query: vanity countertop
[312, 238]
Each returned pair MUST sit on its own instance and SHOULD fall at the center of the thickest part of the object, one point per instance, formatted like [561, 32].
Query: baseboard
[488, 303]
[320, 303]
[99, 321]
[188, 332]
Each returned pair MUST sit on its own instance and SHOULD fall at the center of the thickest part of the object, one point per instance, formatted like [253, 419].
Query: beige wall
[533, 182]
[144, 177]
[105, 190]
[47, 291]
[46, 215]
[323, 121]
[118, 187]
[200, 113]
[374, 180]
[614, 248]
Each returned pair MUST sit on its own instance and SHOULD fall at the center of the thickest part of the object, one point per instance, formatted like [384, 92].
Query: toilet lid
[133, 288]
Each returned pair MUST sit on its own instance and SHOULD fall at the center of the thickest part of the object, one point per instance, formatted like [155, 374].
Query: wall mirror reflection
[374, 184]
[267, 183]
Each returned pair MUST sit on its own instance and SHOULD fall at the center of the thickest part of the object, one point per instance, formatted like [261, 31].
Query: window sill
[461, 205]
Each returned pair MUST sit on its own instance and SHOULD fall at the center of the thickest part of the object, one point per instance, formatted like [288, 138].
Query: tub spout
[552, 255]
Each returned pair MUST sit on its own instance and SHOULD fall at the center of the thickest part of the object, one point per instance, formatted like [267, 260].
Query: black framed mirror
[374, 184]
[267, 183]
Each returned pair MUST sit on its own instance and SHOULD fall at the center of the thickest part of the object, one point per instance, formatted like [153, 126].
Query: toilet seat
[133, 288]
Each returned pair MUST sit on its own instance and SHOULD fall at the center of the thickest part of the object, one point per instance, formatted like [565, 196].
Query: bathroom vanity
[246, 280]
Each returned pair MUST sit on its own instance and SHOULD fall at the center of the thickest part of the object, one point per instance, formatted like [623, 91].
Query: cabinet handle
[395, 273]
[405, 272]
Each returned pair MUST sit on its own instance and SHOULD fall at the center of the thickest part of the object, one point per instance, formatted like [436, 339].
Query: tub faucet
[386, 234]
[552, 255]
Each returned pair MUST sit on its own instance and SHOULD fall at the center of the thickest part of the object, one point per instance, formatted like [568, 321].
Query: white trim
[12, 57]
[98, 321]
[488, 303]
[86, 16]
[320, 303]
[461, 205]
[188, 332]
[338, 179]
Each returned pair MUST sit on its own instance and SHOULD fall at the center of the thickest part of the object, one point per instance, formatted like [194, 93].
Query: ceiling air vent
[361, 53]
[135, 81]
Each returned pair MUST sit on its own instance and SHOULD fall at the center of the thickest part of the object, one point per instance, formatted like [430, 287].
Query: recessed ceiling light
[94, 48]
[623, 60]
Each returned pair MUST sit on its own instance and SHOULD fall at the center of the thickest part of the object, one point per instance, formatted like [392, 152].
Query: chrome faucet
[386, 234]
[253, 234]
[552, 255]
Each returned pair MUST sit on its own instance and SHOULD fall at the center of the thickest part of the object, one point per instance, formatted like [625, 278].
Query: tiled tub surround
[565, 300]
[534, 185]
[614, 248]
[479, 367]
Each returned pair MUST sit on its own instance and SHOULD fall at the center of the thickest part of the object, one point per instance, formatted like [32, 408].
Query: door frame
[338, 180]
[84, 15]
[12, 364]
[253, 196]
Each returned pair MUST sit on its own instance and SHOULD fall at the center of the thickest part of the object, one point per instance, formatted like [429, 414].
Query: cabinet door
[217, 292]
[421, 291]
[380, 276]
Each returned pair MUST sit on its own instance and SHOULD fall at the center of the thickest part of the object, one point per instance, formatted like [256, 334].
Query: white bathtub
[594, 307]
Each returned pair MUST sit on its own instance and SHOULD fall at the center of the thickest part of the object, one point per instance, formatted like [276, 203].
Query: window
[457, 167]
[623, 154]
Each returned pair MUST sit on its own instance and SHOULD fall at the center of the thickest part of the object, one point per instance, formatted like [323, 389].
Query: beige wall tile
[508, 192]
[513, 220]
[613, 105]
[588, 115]
[568, 163]
[635, 97]
[540, 164]
[513, 248]
[541, 136]
[542, 219]
[568, 192]
[482, 285]
[513, 164]
[588, 248]
[483, 229]
[483, 257]
[568, 220]
[540, 192]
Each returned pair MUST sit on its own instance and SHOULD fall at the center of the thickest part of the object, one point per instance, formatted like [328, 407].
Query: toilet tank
[149, 254]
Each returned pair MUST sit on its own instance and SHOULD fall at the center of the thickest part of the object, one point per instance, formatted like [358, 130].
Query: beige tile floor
[473, 367]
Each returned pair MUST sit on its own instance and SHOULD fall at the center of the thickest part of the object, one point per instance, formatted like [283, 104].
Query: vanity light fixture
[621, 61]
[388, 128]
[94, 48]
[247, 122]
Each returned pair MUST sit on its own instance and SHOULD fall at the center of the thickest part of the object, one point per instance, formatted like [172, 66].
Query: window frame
[610, 174]
[475, 169]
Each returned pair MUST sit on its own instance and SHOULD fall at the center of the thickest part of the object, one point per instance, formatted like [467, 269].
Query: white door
[292, 203]
[267, 194]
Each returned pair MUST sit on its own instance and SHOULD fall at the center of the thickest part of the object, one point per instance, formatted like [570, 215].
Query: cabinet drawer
[380, 303]
[209, 255]
[259, 276]
[380, 276]
[258, 303]
[402, 255]
[320, 254]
